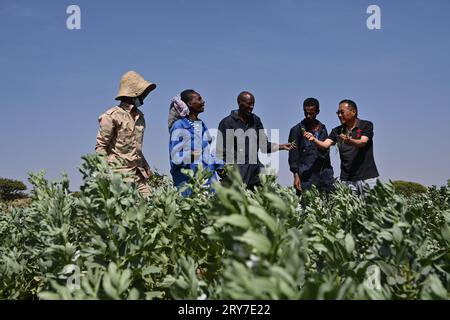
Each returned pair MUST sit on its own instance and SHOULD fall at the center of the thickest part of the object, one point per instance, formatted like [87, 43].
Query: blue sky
[55, 82]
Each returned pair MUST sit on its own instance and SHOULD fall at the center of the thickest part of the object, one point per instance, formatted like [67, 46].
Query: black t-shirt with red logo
[356, 163]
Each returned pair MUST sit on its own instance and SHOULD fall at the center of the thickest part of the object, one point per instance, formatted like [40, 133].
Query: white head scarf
[177, 110]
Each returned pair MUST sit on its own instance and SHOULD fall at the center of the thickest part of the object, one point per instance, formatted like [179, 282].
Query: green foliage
[408, 188]
[108, 242]
[11, 189]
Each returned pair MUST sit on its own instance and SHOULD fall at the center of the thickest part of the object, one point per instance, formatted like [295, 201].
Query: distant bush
[76, 194]
[408, 188]
[22, 202]
[11, 189]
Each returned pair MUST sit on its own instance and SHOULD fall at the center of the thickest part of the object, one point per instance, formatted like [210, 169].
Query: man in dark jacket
[241, 135]
[309, 164]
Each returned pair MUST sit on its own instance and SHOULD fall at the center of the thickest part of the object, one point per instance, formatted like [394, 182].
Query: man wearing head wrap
[121, 131]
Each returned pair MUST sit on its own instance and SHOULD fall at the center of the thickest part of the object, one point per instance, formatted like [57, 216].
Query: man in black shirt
[310, 164]
[241, 135]
[355, 142]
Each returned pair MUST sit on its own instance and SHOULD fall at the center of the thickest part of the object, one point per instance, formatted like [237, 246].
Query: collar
[303, 124]
[344, 127]
[127, 107]
[356, 125]
[235, 116]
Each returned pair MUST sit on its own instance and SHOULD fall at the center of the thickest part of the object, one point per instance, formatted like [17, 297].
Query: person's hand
[345, 138]
[309, 136]
[221, 172]
[288, 146]
[297, 183]
[195, 155]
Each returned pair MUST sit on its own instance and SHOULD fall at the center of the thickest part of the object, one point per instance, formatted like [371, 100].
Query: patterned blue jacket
[185, 137]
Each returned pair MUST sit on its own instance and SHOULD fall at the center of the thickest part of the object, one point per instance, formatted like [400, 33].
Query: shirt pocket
[125, 139]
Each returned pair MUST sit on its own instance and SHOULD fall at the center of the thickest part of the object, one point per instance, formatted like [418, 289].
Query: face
[345, 113]
[132, 101]
[146, 93]
[310, 113]
[247, 103]
[197, 104]
[141, 99]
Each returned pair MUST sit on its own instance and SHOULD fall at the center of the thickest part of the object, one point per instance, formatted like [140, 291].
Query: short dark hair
[242, 94]
[311, 102]
[187, 95]
[352, 105]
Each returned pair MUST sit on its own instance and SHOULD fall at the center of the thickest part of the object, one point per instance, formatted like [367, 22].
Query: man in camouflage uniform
[121, 131]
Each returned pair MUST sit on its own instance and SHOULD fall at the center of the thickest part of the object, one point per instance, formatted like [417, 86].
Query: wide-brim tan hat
[134, 85]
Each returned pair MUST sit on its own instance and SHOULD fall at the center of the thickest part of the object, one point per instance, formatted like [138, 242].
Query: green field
[107, 242]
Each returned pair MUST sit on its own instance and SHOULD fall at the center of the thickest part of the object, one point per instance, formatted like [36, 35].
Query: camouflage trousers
[141, 183]
[143, 187]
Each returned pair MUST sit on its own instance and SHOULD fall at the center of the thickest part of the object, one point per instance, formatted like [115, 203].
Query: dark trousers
[323, 180]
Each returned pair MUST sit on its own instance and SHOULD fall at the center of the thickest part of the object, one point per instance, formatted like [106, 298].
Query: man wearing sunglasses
[354, 138]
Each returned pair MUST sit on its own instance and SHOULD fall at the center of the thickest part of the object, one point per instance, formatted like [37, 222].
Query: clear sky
[55, 82]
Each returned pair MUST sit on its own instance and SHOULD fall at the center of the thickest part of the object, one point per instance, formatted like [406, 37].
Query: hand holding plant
[288, 146]
[309, 136]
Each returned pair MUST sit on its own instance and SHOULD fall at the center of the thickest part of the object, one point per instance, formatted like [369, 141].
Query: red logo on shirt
[358, 133]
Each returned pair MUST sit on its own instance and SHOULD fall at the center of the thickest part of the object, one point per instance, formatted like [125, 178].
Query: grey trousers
[361, 187]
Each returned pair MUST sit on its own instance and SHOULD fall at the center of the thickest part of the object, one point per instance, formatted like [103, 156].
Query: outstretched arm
[322, 144]
[359, 143]
[268, 147]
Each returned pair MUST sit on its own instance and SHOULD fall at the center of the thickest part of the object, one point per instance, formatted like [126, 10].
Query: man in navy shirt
[310, 164]
[355, 141]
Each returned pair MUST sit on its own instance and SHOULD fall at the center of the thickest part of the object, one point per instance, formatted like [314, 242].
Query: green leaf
[446, 215]
[47, 295]
[445, 232]
[236, 220]
[256, 240]
[433, 289]
[276, 202]
[397, 234]
[385, 235]
[340, 234]
[261, 214]
[154, 295]
[125, 281]
[109, 288]
[150, 270]
[349, 243]
[320, 247]
[134, 294]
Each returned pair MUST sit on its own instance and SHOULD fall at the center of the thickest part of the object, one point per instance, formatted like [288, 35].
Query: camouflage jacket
[120, 137]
